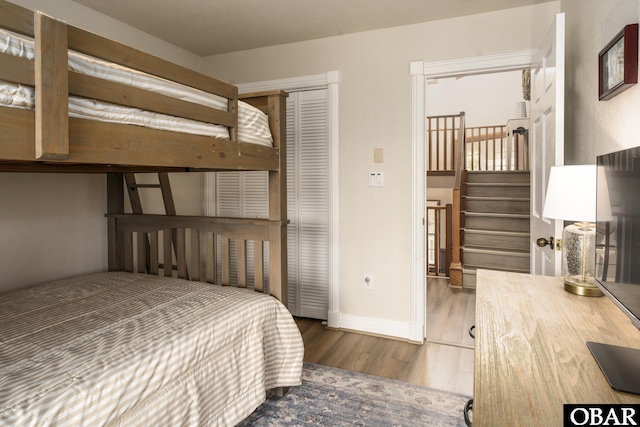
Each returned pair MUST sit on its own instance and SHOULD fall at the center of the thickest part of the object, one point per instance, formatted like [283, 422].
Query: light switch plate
[377, 155]
[376, 179]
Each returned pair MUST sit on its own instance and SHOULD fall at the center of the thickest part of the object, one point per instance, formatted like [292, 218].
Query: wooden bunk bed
[51, 136]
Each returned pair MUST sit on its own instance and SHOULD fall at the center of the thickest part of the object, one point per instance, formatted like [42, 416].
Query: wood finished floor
[444, 362]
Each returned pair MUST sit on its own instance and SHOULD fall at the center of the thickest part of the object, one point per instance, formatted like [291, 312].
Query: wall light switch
[376, 179]
[377, 155]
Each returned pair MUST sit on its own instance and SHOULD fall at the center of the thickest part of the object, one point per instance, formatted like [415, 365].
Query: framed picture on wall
[618, 63]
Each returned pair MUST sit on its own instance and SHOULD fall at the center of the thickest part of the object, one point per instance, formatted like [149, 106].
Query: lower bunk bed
[132, 349]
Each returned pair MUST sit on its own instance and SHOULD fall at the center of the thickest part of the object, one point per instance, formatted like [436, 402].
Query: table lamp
[571, 196]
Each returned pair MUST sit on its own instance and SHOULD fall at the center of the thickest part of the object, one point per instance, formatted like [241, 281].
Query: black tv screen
[618, 232]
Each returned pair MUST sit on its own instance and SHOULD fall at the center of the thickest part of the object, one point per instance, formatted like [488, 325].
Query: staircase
[494, 222]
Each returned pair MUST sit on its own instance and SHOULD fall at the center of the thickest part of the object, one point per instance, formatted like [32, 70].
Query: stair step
[505, 190]
[496, 221]
[508, 260]
[496, 204]
[493, 239]
[497, 252]
[498, 176]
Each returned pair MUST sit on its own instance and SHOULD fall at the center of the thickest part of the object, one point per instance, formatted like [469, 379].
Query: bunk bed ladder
[136, 205]
[163, 184]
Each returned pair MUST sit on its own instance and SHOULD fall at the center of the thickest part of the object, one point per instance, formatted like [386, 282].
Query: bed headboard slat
[17, 70]
[206, 249]
[258, 259]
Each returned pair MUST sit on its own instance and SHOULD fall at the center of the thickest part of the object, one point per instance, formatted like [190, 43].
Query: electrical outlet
[368, 281]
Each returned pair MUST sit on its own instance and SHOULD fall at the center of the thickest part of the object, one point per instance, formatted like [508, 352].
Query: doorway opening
[421, 73]
[474, 117]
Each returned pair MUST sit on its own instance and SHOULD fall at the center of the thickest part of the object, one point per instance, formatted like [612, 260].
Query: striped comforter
[129, 349]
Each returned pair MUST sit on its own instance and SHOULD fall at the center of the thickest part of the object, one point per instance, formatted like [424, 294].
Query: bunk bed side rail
[187, 247]
[90, 87]
[16, 18]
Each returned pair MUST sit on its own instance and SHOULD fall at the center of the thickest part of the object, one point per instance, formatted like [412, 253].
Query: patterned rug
[335, 397]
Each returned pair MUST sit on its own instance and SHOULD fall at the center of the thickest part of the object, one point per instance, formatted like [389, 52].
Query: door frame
[420, 71]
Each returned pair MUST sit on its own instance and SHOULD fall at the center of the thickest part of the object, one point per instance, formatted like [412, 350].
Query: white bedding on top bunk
[253, 125]
[139, 350]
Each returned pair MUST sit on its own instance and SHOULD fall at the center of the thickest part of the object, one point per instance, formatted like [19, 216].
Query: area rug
[335, 397]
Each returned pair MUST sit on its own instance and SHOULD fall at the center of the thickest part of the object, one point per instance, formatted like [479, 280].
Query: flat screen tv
[618, 258]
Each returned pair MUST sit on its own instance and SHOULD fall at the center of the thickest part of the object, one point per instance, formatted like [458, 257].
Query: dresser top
[531, 355]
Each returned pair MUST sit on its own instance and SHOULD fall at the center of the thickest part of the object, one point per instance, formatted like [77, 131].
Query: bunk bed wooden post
[52, 88]
[274, 104]
[278, 281]
[115, 205]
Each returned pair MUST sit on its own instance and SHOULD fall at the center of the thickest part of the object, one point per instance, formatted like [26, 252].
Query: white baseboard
[398, 330]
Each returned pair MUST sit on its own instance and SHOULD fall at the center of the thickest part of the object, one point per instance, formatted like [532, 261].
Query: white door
[547, 142]
[308, 207]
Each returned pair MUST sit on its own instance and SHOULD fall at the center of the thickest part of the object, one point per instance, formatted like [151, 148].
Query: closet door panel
[312, 227]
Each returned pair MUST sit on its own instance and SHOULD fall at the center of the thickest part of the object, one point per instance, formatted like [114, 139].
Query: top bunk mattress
[253, 125]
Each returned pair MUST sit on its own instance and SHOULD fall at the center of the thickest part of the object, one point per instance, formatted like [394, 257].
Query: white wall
[486, 99]
[53, 225]
[596, 127]
[375, 112]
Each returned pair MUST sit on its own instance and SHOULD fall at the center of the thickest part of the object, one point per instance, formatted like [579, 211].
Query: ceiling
[210, 27]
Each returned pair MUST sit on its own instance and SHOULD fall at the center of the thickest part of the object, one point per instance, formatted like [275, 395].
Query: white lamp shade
[571, 193]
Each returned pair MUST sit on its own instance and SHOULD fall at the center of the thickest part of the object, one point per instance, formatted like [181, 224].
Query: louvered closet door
[244, 194]
[308, 203]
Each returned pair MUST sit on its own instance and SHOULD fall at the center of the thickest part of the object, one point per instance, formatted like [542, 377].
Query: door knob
[542, 242]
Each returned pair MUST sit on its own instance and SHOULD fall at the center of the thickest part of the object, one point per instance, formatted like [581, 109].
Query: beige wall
[88, 19]
[375, 112]
[53, 225]
[596, 127]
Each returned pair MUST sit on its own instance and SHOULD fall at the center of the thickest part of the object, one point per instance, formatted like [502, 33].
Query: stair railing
[486, 148]
[496, 148]
[442, 132]
[437, 216]
[455, 269]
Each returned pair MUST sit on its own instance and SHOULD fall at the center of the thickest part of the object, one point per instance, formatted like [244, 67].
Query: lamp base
[576, 285]
[578, 259]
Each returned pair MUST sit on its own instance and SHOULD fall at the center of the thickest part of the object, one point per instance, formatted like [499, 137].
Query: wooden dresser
[530, 351]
